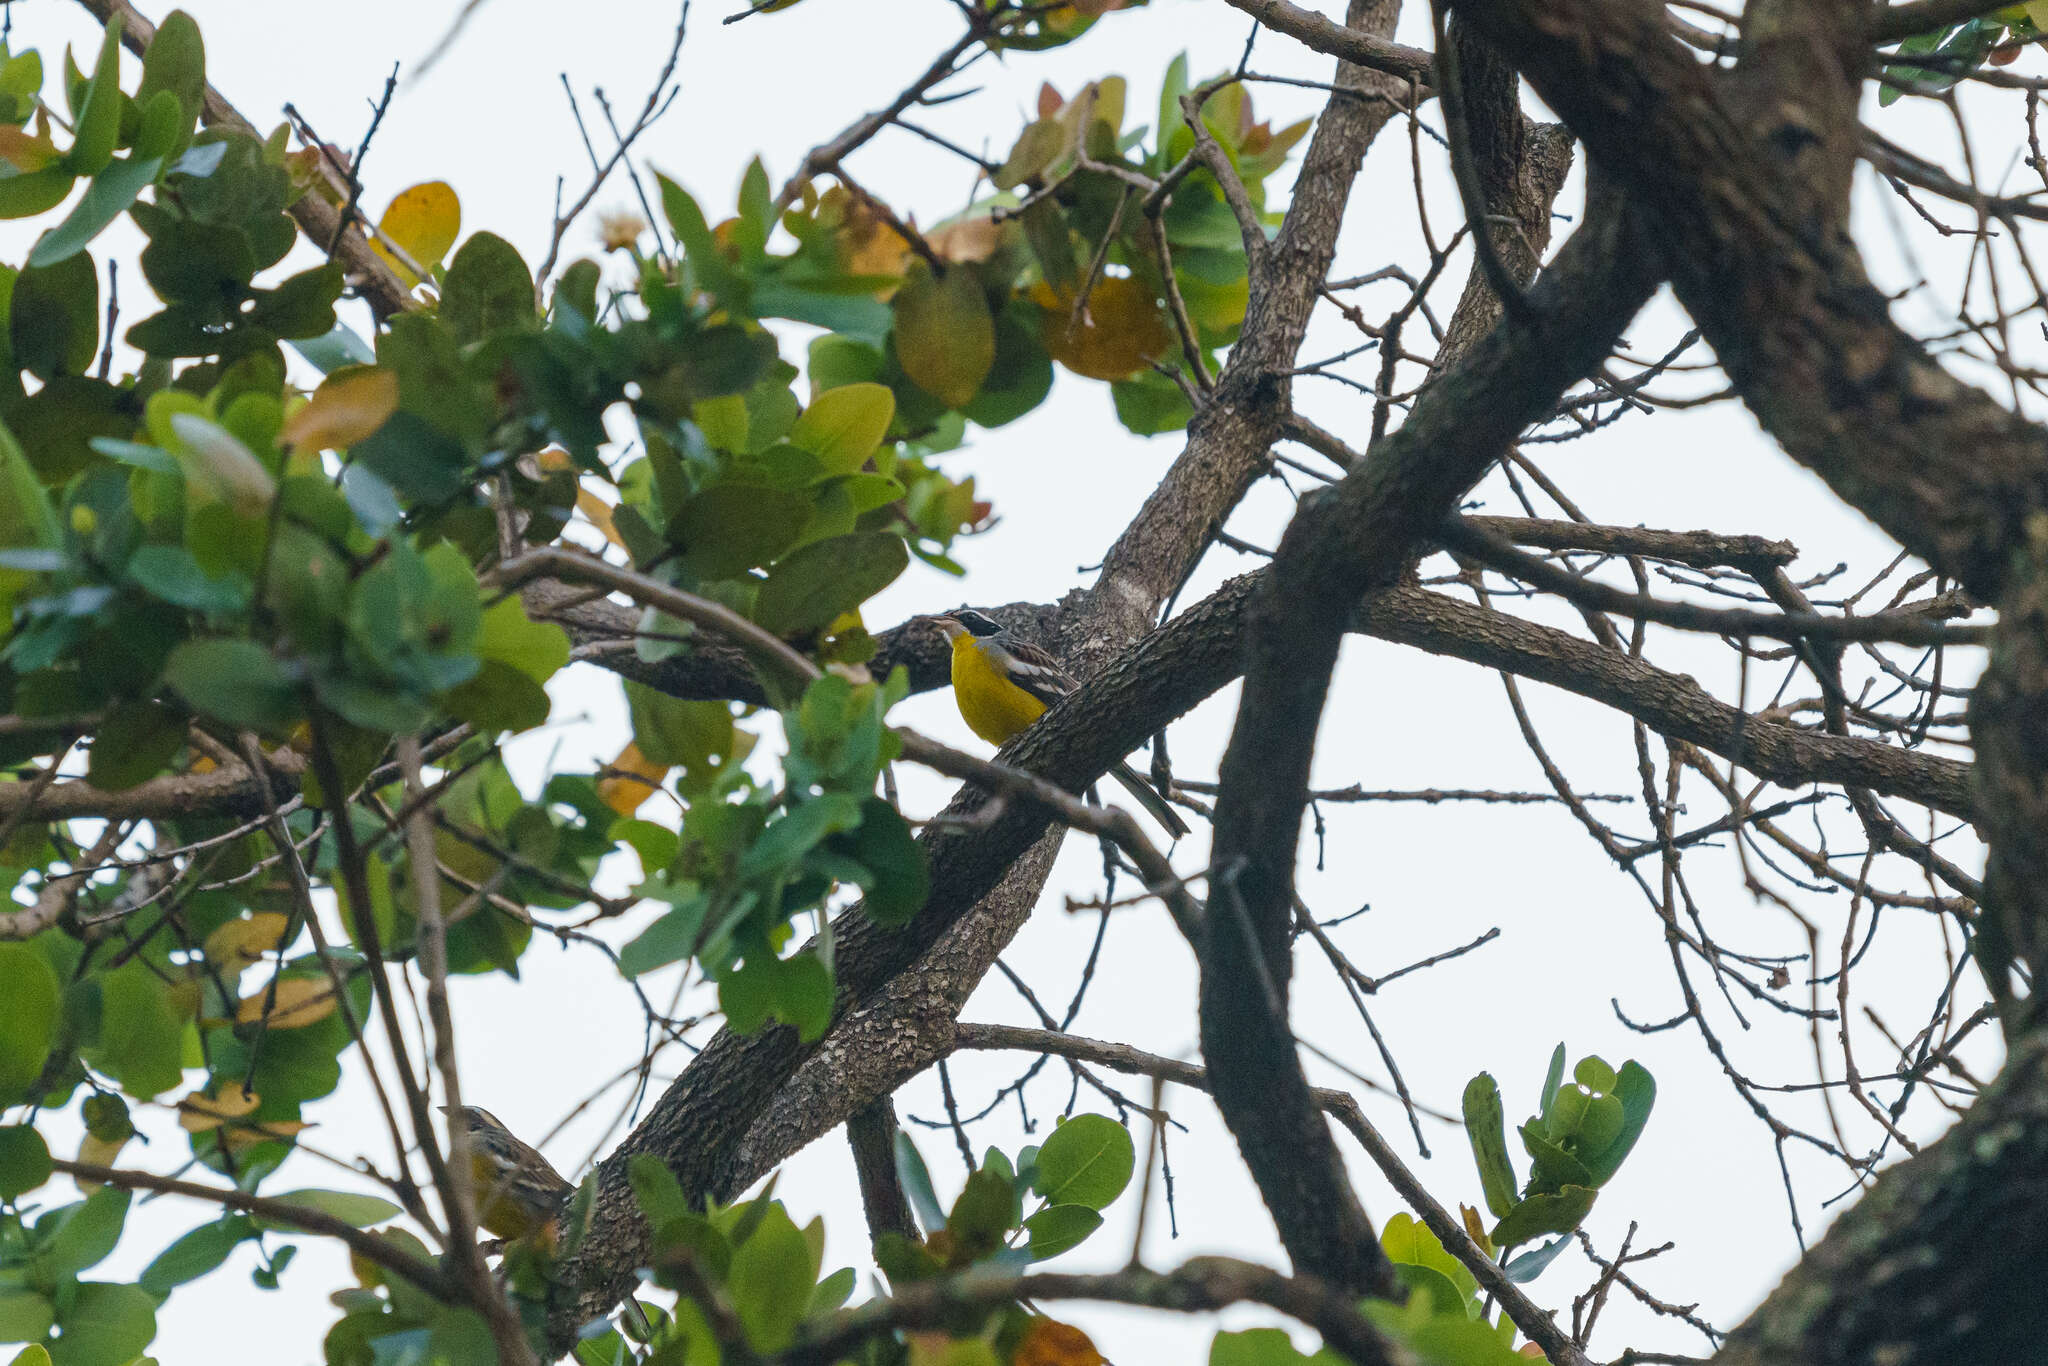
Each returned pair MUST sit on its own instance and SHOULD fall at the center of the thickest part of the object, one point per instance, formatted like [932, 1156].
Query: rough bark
[1344, 540]
[700, 1124]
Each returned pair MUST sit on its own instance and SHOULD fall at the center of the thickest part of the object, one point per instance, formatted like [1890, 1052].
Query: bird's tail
[1148, 797]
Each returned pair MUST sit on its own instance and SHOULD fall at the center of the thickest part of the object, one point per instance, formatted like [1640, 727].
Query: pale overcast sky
[1576, 936]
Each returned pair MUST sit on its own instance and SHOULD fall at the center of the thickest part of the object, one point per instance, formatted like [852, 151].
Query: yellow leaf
[945, 337]
[240, 1136]
[239, 943]
[349, 406]
[600, 514]
[424, 221]
[300, 1001]
[1475, 1229]
[100, 1152]
[630, 780]
[1120, 331]
[554, 458]
[969, 239]
[25, 153]
[1048, 1342]
[200, 1112]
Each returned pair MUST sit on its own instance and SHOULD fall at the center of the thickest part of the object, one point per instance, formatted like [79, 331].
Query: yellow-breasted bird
[519, 1194]
[1002, 684]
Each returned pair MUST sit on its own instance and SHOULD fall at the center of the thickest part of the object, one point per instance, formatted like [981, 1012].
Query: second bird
[1002, 684]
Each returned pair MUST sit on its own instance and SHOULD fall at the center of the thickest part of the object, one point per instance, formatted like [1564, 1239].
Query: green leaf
[1636, 1089]
[24, 1317]
[843, 426]
[669, 939]
[24, 1162]
[54, 318]
[1056, 1228]
[1551, 1080]
[460, 1337]
[1483, 1127]
[916, 1180]
[733, 527]
[535, 648]
[235, 680]
[1552, 1166]
[899, 880]
[671, 731]
[351, 1207]
[655, 1189]
[770, 1282]
[1527, 1267]
[171, 574]
[99, 121]
[86, 1232]
[176, 62]
[1086, 1161]
[797, 991]
[141, 1034]
[487, 290]
[1595, 1075]
[105, 1325]
[1432, 1285]
[28, 1023]
[1259, 1347]
[195, 1254]
[498, 697]
[798, 831]
[134, 742]
[825, 578]
[106, 199]
[1411, 1243]
[25, 196]
[1546, 1213]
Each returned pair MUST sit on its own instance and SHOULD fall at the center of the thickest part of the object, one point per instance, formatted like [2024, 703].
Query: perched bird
[519, 1194]
[1002, 684]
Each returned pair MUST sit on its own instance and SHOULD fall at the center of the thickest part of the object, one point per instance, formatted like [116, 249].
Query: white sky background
[492, 120]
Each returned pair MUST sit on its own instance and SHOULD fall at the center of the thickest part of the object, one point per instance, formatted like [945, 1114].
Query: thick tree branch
[1351, 537]
[702, 1123]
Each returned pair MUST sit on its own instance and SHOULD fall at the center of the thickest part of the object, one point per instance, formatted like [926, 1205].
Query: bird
[519, 1194]
[1002, 684]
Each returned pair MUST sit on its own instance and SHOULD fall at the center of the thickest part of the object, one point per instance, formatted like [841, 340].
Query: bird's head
[966, 622]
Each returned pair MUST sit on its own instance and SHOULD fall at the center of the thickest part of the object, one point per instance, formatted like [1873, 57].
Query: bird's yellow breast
[993, 706]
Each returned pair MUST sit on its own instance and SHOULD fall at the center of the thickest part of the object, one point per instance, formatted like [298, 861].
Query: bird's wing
[1034, 670]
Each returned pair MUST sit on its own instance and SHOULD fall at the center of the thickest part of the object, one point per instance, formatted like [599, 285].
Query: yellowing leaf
[200, 1112]
[240, 1136]
[554, 458]
[945, 337]
[632, 779]
[100, 1152]
[300, 1001]
[25, 153]
[349, 406]
[599, 513]
[843, 426]
[1120, 331]
[424, 221]
[1048, 1342]
[239, 943]
[969, 239]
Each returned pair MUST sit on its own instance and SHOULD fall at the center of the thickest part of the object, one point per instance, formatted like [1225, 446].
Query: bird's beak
[949, 627]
